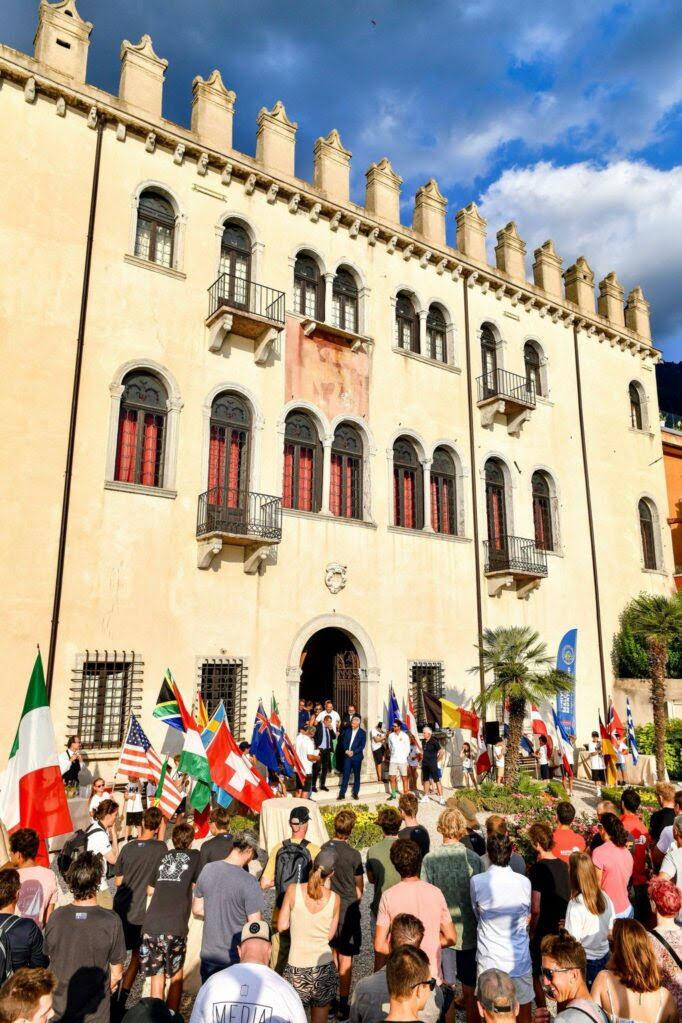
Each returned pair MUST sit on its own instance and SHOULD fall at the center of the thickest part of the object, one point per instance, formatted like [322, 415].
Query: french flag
[564, 744]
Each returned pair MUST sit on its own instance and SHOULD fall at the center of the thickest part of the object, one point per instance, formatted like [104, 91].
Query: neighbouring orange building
[671, 435]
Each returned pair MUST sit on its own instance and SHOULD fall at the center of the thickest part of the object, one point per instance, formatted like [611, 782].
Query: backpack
[6, 967]
[292, 866]
[72, 849]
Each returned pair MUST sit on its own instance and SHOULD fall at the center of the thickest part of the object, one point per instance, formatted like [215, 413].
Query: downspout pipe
[73, 418]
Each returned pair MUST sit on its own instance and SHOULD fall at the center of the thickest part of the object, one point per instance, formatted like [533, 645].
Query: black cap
[299, 815]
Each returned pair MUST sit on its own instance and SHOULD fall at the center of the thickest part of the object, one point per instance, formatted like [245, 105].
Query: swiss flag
[230, 771]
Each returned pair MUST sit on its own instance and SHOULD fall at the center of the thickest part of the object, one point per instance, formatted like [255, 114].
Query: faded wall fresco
[326, 373]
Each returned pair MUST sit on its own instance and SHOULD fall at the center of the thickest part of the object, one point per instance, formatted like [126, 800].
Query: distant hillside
[669, 380]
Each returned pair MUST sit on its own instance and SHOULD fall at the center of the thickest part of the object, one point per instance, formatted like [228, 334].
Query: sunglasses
[548, 972]
[430, 984]
[99, 786]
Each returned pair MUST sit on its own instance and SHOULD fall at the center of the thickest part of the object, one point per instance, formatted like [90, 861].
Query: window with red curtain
[228, 453]
[141, 430]
[301, 487]
[443, 493]
[542, 512]
[407, 485]
[345, 497]
[495, 504]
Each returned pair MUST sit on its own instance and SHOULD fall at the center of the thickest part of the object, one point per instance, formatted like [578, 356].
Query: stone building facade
[315, 450]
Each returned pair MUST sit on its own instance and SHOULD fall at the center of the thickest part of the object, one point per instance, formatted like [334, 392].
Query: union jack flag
[140, 760]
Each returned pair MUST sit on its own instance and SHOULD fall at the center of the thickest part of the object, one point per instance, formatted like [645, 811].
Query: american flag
[139, 759]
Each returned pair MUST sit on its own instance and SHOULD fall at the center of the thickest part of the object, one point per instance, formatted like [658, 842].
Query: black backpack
[292, 866]
[6, 967]
[72, 849]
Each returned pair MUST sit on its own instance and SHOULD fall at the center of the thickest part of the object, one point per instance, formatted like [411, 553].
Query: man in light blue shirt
[501, 901]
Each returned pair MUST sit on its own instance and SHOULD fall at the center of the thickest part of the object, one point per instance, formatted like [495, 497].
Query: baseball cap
[299, 815]
[496, 991]
[256, 929]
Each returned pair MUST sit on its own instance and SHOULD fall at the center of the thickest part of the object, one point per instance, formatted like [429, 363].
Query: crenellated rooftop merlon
[137, 113]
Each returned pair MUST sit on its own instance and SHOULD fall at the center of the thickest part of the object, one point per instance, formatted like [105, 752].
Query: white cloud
[625, 216]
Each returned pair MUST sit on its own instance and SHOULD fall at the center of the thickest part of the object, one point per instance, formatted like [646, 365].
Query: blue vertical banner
[565, 661]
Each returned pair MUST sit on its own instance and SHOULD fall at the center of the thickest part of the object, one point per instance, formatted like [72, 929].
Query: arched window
[407, 485]
[435, 335]
[308, 288]
[489, 361]
[636, 417]
[345, 301]
[542, 512]
[235, 263]
[646, 529]
[141, 430]
[531, 359]
[302, 463]
[154, 235]
[496, 504]
[406, 323]
[443, 517]
[228, 454]
[345, 497]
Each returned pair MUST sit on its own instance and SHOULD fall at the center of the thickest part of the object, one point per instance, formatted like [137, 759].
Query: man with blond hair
[450, 868]
[665, 815]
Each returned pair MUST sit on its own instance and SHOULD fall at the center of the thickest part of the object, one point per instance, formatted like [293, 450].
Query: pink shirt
[428, 904]
[38, 890]
[616, 865]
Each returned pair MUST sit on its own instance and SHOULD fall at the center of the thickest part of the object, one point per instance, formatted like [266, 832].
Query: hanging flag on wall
[566, 661]
[167, 707]
[444, 714]
[632, 741]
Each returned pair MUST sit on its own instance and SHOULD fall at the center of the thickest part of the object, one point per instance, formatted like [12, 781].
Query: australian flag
[263, 743]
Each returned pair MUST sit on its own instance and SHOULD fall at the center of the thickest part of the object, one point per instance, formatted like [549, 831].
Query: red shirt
[566, 842]
[635, 825]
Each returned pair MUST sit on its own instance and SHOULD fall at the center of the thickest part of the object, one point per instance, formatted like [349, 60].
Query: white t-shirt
[377, 737]
[399, 747]
[98, 842]
[250, 993]
[467, 763]
[304, 746]
[542, 756]
[621, 750]
[133, 797]
[336, 718]
[596, 759]
[413, 757]
[96, 800]
[666, 839]
[498, 753]
[590, 930]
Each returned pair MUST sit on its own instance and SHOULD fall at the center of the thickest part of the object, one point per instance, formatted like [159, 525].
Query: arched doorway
[330, 669]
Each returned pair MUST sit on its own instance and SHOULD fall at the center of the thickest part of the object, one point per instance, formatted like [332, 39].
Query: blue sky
[566, 117]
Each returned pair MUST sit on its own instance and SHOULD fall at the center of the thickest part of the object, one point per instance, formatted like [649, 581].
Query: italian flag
[31, 789]
[193, 760]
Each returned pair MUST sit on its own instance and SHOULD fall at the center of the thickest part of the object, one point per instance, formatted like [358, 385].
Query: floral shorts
[164, 953]
[316, 985]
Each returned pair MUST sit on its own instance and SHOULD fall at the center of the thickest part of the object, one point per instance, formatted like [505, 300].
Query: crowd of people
[593, 925]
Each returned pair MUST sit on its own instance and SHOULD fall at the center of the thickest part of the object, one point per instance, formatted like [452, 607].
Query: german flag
[443, 714]
[167, 706]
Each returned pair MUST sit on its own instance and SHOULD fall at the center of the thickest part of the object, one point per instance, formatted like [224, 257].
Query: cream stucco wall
[131, 580]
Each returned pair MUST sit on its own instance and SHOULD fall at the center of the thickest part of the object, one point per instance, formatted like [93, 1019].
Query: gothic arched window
[302, 463]
[155, 230]
[345, 301]
[308, 288]
[542, 512]
[141, 430]
[345, 497]
[443, 493]
[406, 323]
[407, 485]
[436, 335]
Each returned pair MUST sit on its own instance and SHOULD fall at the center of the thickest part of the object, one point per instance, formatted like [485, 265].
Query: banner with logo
[565, 661]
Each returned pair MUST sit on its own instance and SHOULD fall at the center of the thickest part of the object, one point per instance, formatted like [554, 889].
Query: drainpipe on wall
[590, 519]
[474, 501]
[75, 394]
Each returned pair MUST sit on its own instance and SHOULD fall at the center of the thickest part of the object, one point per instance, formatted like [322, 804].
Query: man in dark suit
[351, 749]
[324, 738]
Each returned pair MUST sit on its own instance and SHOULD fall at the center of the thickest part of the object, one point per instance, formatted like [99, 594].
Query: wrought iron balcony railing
[514, 554]
[240, 513]
[246, 296]
[499, 383]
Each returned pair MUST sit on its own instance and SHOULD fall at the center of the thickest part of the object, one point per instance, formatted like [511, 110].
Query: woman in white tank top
[310, 912]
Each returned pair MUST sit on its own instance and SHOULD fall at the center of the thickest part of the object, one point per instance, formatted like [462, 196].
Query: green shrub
[366, 831]
[673, 744]
[647, 795]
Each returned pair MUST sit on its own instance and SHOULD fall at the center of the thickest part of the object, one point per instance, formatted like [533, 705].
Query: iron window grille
[425, 677]
[154, 235]
[106, 688]
[308, 288]
[646, 529]
[443, 504]
[302, 488]
[225, 679]
[406, 323]
[407, 486]
[141, 430]
[542, 512]
[436, 335]
[345, 301]
[346, 473]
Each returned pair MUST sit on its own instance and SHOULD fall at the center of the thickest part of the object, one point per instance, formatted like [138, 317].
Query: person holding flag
[565, 748]
[597, 765]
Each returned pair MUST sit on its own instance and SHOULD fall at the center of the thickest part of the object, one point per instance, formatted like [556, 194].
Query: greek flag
[632, 742]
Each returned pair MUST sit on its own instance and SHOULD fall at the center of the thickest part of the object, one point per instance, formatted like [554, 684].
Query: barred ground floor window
[225, 679]
[425, 677]
[106, 688]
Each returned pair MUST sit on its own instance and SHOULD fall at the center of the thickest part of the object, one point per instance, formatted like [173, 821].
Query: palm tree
[656, 620]
[521, 673]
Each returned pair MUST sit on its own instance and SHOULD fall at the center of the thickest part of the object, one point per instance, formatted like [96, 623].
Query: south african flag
[167, 709]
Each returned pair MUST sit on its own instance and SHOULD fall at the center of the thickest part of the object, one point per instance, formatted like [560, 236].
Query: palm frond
[655, 617]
